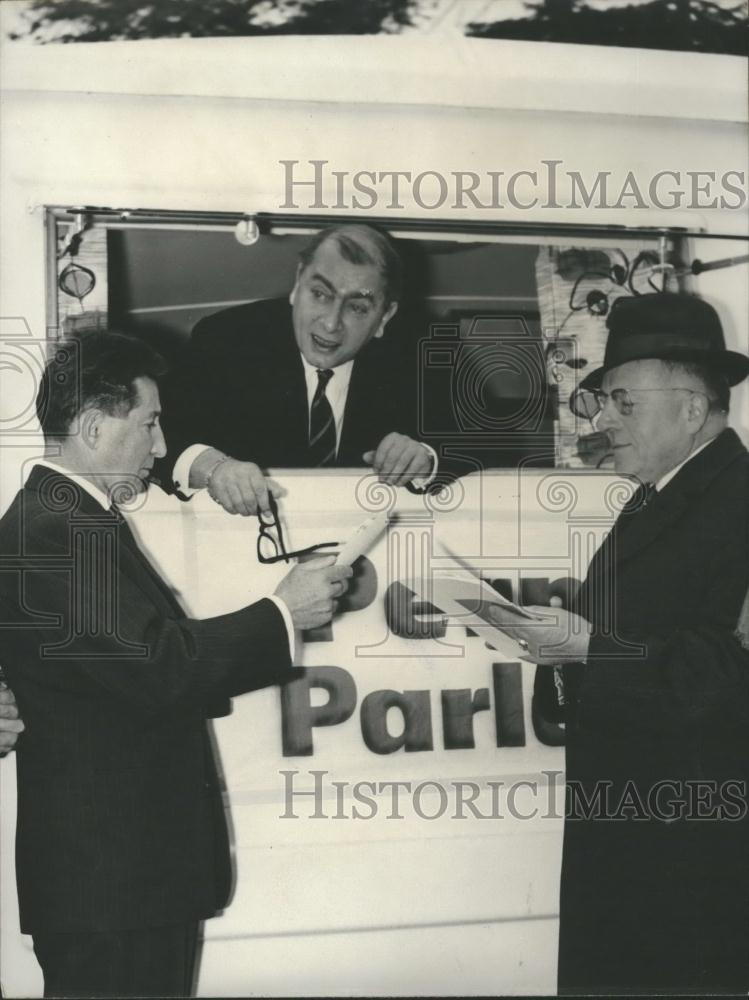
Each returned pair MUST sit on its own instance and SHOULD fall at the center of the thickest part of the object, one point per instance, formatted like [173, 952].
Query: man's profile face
[338, 307]
[131, 443]
[655, 437]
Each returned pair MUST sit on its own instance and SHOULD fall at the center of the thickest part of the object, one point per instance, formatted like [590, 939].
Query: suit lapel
[633, 532]
[352, 415]
[370, 393]
[58, 493]
[136, 566]
[289, 387]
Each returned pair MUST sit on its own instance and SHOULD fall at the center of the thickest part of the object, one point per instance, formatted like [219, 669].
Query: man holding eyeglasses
[655, 875]
[122, 844]
[311, 382]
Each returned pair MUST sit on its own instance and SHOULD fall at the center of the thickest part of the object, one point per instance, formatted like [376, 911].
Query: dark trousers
[148, 962]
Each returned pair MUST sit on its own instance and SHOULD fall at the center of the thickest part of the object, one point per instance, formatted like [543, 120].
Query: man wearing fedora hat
[655, 873]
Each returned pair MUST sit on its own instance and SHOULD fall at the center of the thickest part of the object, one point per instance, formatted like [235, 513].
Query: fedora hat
[671, 327]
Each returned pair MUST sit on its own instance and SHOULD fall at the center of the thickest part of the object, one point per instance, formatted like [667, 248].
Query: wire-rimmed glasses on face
[589, 403]
[271, 547]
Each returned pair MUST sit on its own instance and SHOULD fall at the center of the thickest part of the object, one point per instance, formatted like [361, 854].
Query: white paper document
[471, 602]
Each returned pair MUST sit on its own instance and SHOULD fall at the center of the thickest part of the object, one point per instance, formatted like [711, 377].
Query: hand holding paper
[556, 636]
[471, 602]
[310, 591]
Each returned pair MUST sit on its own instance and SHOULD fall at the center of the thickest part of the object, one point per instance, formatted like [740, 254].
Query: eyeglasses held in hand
[271, 547]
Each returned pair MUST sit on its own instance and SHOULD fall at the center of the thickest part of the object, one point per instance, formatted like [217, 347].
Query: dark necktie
[126, 533]
[322, 439]
[640, 499]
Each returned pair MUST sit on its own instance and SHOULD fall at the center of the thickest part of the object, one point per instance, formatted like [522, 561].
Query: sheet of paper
[362, 539]
[471, 602]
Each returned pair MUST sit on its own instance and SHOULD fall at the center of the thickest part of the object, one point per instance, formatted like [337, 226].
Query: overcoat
[655, 875]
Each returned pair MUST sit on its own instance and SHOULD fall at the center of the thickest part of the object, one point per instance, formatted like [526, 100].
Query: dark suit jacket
[242, 390]
[120, 821]
[647, 904]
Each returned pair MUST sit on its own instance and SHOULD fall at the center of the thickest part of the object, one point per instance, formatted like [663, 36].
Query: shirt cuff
[421, 482]
[181, 473]
[287, 620]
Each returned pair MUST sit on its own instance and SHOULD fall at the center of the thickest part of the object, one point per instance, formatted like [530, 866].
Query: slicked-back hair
[716, 385]
[96, 371]
[362, 245]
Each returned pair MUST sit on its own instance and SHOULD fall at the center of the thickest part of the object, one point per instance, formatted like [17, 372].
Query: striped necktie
[322, 438]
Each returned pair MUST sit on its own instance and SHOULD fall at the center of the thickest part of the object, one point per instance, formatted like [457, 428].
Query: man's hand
[399, 459]
[560, 638]
[241, 488]
[10, 724]
[311, 589]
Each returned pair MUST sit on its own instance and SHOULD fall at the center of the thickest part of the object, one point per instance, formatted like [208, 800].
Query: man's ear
[391, 310]
[292, 293]
[90, 428]
[698, 410]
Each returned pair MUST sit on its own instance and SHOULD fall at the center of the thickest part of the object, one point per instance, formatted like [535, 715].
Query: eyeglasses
[271, 547]
[588, 403]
